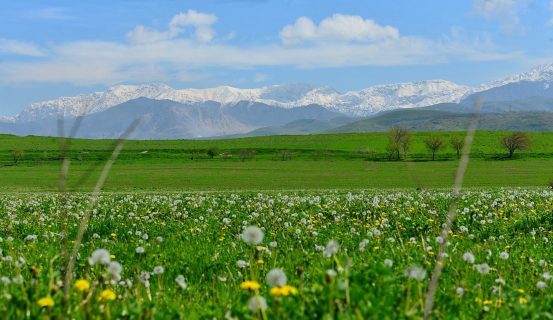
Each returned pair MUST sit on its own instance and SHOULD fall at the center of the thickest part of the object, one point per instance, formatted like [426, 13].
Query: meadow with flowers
[287, 255]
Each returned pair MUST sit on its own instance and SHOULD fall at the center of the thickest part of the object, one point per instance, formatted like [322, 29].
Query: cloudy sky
[65, 47]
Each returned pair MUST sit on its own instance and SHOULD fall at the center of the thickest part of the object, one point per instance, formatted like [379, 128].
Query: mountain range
[169, 113]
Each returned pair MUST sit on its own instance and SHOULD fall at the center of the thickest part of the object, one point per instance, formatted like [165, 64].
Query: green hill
[439, 120]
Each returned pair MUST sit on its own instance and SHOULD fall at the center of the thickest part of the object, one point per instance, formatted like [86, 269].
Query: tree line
[400, 142]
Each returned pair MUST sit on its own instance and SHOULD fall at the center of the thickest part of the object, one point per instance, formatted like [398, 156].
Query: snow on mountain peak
[542, 72]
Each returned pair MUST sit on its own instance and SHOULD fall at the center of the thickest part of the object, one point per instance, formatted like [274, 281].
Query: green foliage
[196, 238]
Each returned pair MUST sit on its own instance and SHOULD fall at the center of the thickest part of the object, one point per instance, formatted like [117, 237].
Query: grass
[386, 248]
[317, 162]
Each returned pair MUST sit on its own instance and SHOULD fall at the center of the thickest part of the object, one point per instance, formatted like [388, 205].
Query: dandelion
[181, 282]
[439, 240]
[241, 264]
[114, 269]
[139, 250]
[285, 290]
[388, 263]
[483, 268]
[100, 256]
[504, 255]
[415, 272]
[460, 291]
[257, 304]
[82, 285]
[158, 270]
[468, 257]
[252, 235]
[363, 244]
[332, 248]
[541, 285]
[107, 295]
[331, 273]
[276, 278]
[250, 285]
[46, 302]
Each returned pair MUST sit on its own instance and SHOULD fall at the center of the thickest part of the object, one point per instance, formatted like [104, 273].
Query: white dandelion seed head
[257, 304]
[415, 272]
[158, 270]
[100, 256]
[541, 285]
[460, 291]
[252, 235]
[504, 255]
[483, 268]
[241, 264]
[114, 269]
[276, 278]
[388, 263]
[140, 250]
[181, 282]
[468, 257]
[332, 247]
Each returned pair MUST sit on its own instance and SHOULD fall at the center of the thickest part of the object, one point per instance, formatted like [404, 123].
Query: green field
[330, 161]
[182, 256]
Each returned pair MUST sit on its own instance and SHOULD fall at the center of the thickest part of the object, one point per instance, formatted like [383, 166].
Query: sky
[59, 48]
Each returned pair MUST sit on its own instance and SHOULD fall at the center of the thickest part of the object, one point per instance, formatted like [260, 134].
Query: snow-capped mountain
[6, 119]
[540, 73]
[353, 103]
[356, 103]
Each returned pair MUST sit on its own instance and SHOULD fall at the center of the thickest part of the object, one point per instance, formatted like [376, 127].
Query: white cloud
[202, 23]
[339, 27]
[504, 11]
[51, 13]
[15, 47]
[162, 56]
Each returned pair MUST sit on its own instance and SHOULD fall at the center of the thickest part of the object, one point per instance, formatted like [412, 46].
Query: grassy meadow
[283, 227]
[286, 255]
[333, 161]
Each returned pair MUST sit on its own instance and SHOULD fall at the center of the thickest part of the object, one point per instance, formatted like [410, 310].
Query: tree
[399, 142]
[434, 144]
[212, 152]
[457, 143]
[17, 155]
[516, 141]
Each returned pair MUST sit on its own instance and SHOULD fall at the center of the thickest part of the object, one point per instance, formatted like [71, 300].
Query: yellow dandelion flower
[250, 285]
[46, 302]
[285, 290]
[107, 295]
[521, 291]
[522, 300]
[82, 285]
[260, 261]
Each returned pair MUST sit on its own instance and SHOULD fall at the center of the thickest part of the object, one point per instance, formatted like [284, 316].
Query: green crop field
[333, 161]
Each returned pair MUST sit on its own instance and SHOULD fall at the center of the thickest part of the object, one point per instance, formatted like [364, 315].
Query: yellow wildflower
[82, 285]
[107, 295]
[250, 285]
[285, 290]
[522, 300]
[46, 302]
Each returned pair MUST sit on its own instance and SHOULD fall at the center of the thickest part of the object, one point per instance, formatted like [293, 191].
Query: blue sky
[54, 48]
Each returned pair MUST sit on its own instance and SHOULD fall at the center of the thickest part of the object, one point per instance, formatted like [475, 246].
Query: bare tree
[212, 152]
[516, 141]
[434, 144]
[457, 144]
[399, 142]
[17, 155]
